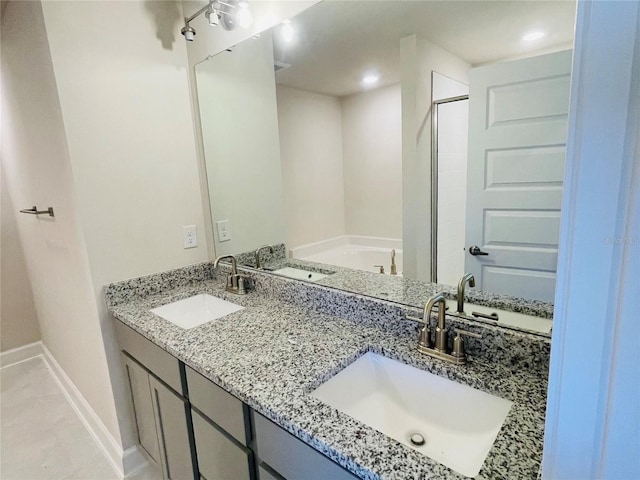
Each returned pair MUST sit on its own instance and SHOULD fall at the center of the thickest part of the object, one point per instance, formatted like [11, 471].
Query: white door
[517, 132]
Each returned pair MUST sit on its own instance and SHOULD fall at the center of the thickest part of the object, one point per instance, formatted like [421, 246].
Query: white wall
[18, 317]
[126, 112]
[239, 118]
[131, 142]
[312, 165]
[418, 58]
[130, 174]
[342, 164]
[38, 172]
[372, 151]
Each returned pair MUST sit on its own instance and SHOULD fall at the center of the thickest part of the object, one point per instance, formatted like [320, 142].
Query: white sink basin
[300, 274]
[506, 318]
[194, 311]
[459, 423]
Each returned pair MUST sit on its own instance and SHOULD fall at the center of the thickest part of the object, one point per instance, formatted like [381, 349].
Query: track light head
[212, 16]
[189, 32]
[229, 14]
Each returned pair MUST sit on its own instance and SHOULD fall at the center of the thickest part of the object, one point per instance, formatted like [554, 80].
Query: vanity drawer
[221, 407]
[160, 363]
[292, 458]
[219, 458]
[264, 474]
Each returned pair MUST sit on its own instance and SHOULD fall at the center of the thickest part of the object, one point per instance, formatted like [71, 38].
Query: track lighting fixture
[212, 16]
[231, 14]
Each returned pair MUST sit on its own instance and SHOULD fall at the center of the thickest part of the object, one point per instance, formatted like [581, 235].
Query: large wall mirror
[430, 131]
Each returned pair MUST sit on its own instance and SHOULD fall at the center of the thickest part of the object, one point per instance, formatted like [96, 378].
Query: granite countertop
[408, 291]
[272, 354]
[393, 288]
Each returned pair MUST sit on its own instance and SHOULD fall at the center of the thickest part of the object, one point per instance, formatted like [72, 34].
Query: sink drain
[417, 439]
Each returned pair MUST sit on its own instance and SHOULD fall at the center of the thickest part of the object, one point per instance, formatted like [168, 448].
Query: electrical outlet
[224, 230]
[189, 236]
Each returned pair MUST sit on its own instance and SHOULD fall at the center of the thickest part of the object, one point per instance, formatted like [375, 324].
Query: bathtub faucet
[394, 270]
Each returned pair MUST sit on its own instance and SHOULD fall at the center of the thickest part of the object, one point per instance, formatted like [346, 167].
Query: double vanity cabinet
[194, 429]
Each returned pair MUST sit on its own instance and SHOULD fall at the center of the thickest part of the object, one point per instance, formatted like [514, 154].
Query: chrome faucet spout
[235, 281]
[441, 349]
[234, 264]
[441, 331]
[432, 302]
[257, 253]
[467, 277]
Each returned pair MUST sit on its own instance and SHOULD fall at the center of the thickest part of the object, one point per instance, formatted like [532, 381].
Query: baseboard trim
[124, 463]
[134, 460]
[20, 354]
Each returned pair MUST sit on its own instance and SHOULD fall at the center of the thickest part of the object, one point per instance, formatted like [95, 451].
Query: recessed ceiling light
[530, 37]
[370, 79]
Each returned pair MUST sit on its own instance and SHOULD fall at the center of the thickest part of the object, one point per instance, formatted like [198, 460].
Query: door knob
[475, 250]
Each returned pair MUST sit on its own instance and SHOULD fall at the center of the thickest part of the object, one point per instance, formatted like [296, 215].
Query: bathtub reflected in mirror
[369, 254]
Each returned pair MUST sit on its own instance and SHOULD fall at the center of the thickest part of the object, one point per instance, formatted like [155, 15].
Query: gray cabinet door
[152, 357]
[292, 458]
[219, 458]
[171, 423]
[138, 379]
[264, 474]
[218, 405]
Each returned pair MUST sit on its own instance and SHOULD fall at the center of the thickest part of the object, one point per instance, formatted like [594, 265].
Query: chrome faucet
[235, 280]
[258, 250]
[467, 277]
[394, 270]
[440, 348]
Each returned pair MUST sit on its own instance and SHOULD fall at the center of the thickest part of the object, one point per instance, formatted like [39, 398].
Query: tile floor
[41, 437]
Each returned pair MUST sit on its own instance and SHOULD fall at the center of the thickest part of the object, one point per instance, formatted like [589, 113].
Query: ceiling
[337, 42]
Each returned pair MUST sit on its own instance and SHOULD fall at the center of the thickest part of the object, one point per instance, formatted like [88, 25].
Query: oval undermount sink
[194, 311]
[451, 423]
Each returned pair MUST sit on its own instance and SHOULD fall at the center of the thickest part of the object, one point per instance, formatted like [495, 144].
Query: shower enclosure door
[449, 170]
[518, 126]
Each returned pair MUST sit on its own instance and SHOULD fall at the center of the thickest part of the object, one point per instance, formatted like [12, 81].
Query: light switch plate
[224, 230]
[189, 236]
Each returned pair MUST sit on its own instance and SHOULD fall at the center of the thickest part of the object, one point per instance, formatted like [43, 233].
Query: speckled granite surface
[411, 292]
[274, 352]
[516, 348]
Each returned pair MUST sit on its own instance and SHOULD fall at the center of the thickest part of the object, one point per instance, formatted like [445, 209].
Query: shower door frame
[435, 104]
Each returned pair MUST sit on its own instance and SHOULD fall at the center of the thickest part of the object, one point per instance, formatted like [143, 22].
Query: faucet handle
[416, 319]
[424, 340]
[242, 286]
[459, 331]
[394, 269]
[458, 341]
[381, 267]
